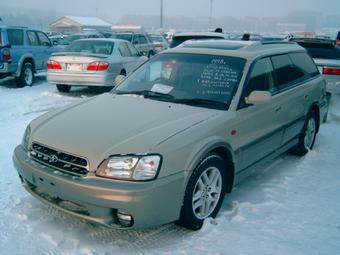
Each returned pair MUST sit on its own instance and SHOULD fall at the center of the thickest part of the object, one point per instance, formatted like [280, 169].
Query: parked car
[83, 35]
[338, 39]
[92, 62]
[23, 53]
[175, 136]
[179, 38]
[326, 56]
[159, 42]
[141, 41]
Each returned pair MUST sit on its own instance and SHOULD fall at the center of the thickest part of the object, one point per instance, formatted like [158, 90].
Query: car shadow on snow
[10, 83]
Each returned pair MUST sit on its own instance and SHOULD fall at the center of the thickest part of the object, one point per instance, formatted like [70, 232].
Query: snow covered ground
[290, 207]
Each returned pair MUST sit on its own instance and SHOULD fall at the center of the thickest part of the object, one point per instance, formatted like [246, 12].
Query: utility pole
[210, 17]
[161, 16]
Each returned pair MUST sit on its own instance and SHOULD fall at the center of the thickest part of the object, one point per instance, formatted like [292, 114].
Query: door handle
[278, 109]
[306, 97]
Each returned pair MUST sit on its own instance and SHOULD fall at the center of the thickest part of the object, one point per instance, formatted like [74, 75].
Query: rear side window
[286, 72]
[44, 41]
[304, 63]
[32, 38]
[124, 50]
[142, 39]
[15, 36]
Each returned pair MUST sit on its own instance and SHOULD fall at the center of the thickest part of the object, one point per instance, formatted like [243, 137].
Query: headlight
[138, 168]
[26, 137]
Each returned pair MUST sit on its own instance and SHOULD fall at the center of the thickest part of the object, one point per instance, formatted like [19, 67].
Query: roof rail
[277, 42]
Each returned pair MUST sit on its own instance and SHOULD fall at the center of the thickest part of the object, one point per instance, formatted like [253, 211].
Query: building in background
[78, 24]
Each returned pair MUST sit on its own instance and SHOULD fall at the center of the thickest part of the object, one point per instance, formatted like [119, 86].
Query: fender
[22, 60]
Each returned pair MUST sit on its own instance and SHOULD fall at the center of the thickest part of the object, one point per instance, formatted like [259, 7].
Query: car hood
[115, 124]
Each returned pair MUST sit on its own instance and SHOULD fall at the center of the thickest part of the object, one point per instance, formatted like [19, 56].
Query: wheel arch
[316, 109]
[223, 150]
[25, 59]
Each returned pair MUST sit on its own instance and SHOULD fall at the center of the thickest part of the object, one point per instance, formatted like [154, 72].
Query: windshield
[156, 38]
[202, 80]
[93, 47]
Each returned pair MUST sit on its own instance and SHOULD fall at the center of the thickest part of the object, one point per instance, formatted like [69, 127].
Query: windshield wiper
[202, 102]
[146, 94]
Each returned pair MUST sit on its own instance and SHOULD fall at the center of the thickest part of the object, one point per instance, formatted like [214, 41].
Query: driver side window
[261, 78]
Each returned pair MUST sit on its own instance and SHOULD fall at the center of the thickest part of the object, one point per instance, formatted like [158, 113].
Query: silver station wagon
[172, 139]
[92, 62]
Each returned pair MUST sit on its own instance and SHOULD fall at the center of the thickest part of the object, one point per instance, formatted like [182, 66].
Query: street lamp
[210, 17]
[161, 16]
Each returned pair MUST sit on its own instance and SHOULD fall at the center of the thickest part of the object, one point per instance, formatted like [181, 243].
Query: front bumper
[98, 199]
[85, 79]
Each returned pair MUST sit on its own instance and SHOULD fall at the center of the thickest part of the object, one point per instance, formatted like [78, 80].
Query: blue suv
[23, 53]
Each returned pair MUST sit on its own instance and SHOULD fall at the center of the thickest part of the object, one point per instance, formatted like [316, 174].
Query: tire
[204, 193]
[26, 77]
[150, 54]
[307, 136]
[63, 88]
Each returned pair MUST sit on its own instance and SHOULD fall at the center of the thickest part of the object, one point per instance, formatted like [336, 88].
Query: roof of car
[102, 39]
[201, 34]
[313, 40]
[245, 49]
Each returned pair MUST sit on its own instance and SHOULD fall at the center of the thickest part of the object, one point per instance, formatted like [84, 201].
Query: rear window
[92, 47]
[327, 51]
[15, 36]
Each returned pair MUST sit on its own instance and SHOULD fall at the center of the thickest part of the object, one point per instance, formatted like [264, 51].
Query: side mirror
[259, 97]
[119, 79]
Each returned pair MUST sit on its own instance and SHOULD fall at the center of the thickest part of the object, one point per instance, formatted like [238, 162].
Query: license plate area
[74, 67]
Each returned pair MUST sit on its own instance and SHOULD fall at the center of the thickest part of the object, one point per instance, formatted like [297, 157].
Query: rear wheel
[307, 136]
[204, 193]
[63, 88]
[26, 77]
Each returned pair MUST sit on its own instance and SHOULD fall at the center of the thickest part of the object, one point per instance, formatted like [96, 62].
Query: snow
[289, 207]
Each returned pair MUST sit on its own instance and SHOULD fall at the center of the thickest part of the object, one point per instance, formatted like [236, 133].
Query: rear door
[295, 77]
[128, 60]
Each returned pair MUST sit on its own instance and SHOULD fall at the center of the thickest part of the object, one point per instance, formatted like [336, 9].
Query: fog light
[125, 219]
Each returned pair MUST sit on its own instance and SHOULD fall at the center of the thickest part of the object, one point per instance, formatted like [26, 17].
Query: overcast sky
[115, 9]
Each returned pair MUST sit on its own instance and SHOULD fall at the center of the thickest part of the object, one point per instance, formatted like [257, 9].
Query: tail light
[6, 55]
[158, 46]
[97, 66]
[51, 64]
[331, 70]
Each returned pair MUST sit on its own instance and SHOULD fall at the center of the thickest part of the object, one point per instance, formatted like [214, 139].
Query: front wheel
[204, 193]
[307, 136]
[63, 88]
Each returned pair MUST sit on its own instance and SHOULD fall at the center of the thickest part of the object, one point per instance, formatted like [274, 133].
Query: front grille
[59, 160]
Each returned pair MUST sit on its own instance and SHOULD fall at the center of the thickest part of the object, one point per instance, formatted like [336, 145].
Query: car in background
[326, 55]
[159, 42]
[141, 41]
[23, 53]
[175, 136]
[76, 36]
[338, 39]
[275, 37]
[92, 62]
[179, 38]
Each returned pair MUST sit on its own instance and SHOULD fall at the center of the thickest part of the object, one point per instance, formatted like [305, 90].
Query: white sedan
[92, 62]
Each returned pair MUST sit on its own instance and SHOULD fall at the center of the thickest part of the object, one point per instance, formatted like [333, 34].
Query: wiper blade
[146, 94]
[202, 101]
